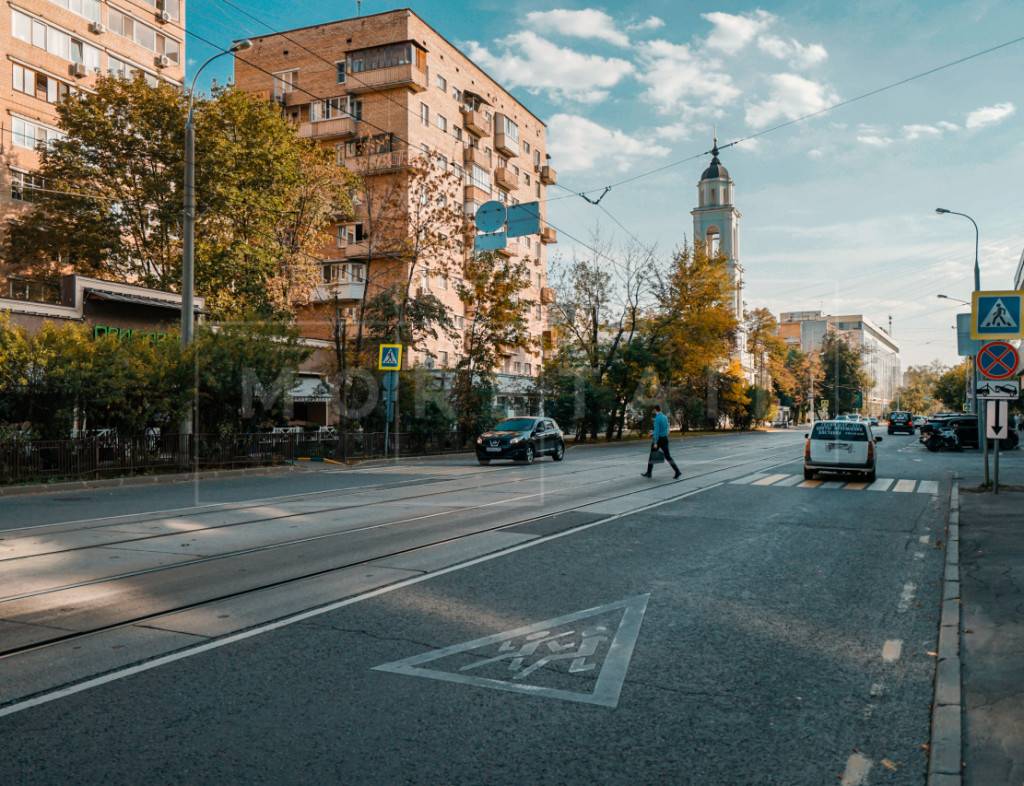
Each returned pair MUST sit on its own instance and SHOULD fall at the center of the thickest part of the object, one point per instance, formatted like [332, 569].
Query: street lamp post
[189, 219]
[977, 287]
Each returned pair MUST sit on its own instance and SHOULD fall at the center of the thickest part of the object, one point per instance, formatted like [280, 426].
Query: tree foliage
[843, 375]
[112, 207]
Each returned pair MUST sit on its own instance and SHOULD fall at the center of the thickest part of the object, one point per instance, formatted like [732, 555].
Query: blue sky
[838, 210]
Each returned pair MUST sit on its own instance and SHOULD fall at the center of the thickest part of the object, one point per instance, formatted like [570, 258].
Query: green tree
[113, 202]
[951, 387]
[843, 375]
[918, 392]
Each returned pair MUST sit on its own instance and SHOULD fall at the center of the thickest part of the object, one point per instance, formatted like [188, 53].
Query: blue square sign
[997, 314]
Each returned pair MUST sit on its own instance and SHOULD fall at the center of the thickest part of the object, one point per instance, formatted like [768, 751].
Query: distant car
[919, 420]
[842, 417]
[966, 428]
[902, 422]
[934, 422]
[521, 439]
[840, 446]
[873, 420]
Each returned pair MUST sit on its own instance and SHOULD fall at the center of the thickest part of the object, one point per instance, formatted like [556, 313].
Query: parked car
[521, 439]
[919, 420]
[840, 446]
[873, 420]
[966, 429]
[932, 423]
[902, 422]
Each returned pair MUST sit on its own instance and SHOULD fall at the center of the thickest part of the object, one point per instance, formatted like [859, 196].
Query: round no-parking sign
[997, 360]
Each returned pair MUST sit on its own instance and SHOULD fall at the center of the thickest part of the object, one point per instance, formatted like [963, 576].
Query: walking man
[659, 441]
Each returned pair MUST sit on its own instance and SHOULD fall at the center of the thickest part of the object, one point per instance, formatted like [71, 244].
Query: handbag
[656, 457]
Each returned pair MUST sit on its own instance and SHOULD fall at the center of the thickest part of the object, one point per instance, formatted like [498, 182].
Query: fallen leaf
[889, 764]
[931, 654]
[925, 746]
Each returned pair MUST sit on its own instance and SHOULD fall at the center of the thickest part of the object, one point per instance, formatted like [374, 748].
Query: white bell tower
[716, 223]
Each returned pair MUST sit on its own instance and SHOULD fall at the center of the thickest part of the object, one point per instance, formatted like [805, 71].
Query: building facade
[53, 48]
[806, 330]
[716, 223]
[383, 91]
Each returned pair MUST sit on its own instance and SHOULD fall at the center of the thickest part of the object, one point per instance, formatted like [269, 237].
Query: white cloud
[945, 125]
[791, 96]
[989, 115]
[799, 55]
[674, 132]
[919, 130]
[580, 144]
[529, 61]
[675, 76]
[874, 140]
[732, 32]
[585, 23]
[650, 23]
[816, 153]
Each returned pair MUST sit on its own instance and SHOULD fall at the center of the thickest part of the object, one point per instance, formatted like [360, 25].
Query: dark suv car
[521, 439]
[901, 422]
[966, 428]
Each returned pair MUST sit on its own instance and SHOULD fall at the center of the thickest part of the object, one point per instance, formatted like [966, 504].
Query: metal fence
[23, 461]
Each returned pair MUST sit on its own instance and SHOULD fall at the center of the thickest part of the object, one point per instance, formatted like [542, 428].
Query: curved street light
[977, 287]
[955, 299]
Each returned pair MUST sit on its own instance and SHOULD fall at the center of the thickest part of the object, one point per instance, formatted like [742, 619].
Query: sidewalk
[992, 633]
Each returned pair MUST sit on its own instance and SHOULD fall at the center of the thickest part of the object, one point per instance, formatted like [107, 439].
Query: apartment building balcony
[547, 296]
[548, 235]
[548, 175]
[476, 122]
[505, 143]
[505, 180]
[335, 128]
[349, 290]
[359, 250]
[477, 195]
[474, 155]
[407, 75]
[378, 163]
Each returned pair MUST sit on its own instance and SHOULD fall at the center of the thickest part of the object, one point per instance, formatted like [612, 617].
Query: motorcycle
[943, 438]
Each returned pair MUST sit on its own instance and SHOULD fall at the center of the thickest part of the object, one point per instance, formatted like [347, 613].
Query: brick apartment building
[383, 90]
[50, 48]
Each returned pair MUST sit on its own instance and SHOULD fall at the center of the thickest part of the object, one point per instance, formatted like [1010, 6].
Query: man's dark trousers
[663, 447]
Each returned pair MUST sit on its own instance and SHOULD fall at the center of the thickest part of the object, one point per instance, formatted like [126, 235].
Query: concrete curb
[946, 750]
[141, 480]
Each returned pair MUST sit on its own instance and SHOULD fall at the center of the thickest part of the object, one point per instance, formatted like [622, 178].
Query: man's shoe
[677, 475]
[645, 475]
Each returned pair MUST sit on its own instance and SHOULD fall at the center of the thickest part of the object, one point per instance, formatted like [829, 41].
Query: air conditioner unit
[78, 69]
[163, 16]
[97, 27]
[162, 61]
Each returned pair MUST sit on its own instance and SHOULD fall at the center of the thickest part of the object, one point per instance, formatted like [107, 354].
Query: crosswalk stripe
[833, 484]
[768, 480]
[810, 484]
[882, 484]
[747, 479]
[856, 486]
[904, 485]
[790, 480]
[928, 487]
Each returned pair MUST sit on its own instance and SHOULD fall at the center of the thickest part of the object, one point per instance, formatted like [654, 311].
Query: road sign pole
[995, 477]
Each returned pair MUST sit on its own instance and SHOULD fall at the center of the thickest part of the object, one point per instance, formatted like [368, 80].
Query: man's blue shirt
[660, 426]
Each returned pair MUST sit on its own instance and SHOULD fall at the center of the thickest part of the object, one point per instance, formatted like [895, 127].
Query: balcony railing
[504, 179]
[407, 75]
[548, 235]
[477, 194]
[328, 129]
[378, 163]
[355, 250]
[548, 175]
[476, 122]
[345, 290]
[474, 155]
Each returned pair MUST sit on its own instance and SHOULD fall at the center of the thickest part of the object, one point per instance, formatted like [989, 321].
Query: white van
[840, 446]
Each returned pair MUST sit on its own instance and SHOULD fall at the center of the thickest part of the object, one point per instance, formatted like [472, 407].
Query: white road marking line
[790, 480]
[747, 479]
[904, 485]
[928, 487]
[877, 689]
[857, 768]
[138, 668]
[918, 555]
[856, 486]
[891, 650]
[768, 480]
[810, 484]
[882, 484]
[833, 484]
[906, 597]
[924, 540]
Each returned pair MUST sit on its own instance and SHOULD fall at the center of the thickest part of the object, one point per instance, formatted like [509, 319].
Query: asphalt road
[442, 622]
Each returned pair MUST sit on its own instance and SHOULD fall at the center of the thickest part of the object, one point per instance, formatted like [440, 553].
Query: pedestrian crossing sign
[390, 357]
[997, 314]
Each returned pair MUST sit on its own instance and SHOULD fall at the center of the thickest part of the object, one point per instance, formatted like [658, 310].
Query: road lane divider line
[118, 674]
[906, 597]
[857, 768]
[928, 487]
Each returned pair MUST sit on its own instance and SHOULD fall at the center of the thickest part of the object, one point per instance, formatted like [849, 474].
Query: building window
[144, 35]
[527, 176]
[457, 132]
[380, 57]
[442, 83]
[526, 369]
[25, 133]
[526, 147]
[536, 158]
[443, 358]
[55, 41]
[25, 186]
[90, 9]
[350, 234]
[510, 128]
[457, 94]
[538, 189]
[424, 114]
[480, 178]
[172, 7]
[442, 123]
[344, 273]
[285, 82]
[339, 68]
